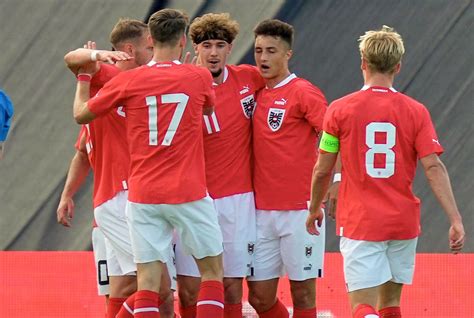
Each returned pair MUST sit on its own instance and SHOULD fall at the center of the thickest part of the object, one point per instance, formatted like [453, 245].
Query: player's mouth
[264, 67]
[213, 63]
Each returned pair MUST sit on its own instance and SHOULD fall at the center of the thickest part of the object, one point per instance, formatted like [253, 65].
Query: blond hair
[381, 49]
[127, 30]
[213, 26]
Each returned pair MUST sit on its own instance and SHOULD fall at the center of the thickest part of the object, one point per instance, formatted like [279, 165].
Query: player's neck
[272, 82]
[378, 79]
[166, 54]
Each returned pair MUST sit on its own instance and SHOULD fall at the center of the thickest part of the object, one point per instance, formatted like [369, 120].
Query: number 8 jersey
[382, 133]
[164, 105]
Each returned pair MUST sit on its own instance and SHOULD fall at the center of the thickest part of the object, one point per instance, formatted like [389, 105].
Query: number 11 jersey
[164, 104]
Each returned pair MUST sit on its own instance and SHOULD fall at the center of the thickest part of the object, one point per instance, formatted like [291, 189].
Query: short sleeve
[110, 96]
[81, 133]
[330, 123]
[313, 105]
[427, 142]
[6, 114]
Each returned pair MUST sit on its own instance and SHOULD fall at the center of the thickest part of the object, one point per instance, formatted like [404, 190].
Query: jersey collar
[151, 63]
[226, 74]
[285, 81]
[366, 87]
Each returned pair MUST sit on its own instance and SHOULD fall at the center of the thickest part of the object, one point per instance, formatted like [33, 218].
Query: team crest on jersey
[308, 251]
[275, 118]
[248, 105]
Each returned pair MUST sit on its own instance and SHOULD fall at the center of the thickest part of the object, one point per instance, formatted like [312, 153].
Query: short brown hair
[213, 26]
[167, 26]
[275, 28]
[382, 49]
[125, 30]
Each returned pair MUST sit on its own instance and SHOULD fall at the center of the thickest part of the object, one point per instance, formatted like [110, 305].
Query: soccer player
[164, 102]
[287, 119]
[380, 134]
[102, 146]
[6, 114]
[228, 152]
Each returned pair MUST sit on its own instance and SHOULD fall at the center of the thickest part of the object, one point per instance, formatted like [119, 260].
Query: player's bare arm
[438, 178]
[322, 173]
[89, 55]
[78, 171]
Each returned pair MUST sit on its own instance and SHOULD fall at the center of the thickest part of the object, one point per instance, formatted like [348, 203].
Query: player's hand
[187, 58]
[456, 237]
[315, 215]
[196, 60]
[331, 199]
[107, 56]
[65, 211]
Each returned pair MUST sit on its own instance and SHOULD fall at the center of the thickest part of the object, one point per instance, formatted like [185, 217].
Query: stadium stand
[437, 70]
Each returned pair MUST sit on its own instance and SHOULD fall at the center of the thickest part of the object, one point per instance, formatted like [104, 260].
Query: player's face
[272, 55]
[213, 55]
[143, 50]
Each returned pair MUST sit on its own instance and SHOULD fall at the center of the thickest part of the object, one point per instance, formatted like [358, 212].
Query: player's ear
[230, 48]
[182, 42]
[398, 68]
[363, 64]
[289, 54]
[195, 48]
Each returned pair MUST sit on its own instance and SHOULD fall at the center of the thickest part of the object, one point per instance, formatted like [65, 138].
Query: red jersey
[381, 133]
[286, 125]
[164, 104]
[228, 132]
[106, 144]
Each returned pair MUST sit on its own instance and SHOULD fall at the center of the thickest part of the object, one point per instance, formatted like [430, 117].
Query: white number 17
[181, 100]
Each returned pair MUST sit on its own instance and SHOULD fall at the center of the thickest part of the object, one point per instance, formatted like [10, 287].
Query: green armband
[329, 143]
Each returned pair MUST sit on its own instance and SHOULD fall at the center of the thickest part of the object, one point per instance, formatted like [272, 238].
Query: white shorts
[284, 245]
[111, 219]
[100, 257]
[369, 264]
[236, 214]
[151, 229]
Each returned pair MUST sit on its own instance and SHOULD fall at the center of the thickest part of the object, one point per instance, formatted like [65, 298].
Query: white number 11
[181, 100]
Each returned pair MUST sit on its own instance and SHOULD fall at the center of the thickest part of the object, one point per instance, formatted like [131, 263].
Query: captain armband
[329, 143]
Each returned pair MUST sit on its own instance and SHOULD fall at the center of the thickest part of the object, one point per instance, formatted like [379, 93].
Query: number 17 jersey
[164, 104]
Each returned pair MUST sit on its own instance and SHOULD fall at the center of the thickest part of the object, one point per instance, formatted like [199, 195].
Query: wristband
[337, 177]
[84, 77]
[94, 55]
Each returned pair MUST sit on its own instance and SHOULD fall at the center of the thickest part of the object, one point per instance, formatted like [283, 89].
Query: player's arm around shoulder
[438, 178]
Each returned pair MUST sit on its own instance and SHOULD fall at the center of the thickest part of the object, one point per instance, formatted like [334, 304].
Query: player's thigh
[301, 252]
[100, 257]
[401, 256]
[267, 261]
[185, 263]
[236, 214]
[150, 231]
[197, 225]
[365, 263]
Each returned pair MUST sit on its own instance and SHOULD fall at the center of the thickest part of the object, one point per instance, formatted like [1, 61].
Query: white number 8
[385, 149]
